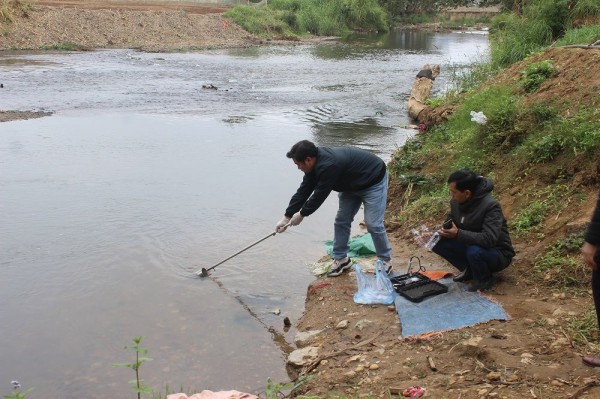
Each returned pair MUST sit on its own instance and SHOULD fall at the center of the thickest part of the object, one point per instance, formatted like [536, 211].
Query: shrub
[535, 74]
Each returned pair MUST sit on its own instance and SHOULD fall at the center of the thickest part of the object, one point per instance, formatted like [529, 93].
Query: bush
[535, 74]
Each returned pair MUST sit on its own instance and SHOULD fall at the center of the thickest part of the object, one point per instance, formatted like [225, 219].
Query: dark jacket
[481, 222]
[592, 235]
[341, 169]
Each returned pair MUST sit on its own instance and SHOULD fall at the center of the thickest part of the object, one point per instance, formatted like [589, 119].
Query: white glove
[282, 224]
[296, 219]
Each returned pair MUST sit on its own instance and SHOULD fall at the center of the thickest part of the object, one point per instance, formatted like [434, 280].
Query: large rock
[304, 356]
[305, 338]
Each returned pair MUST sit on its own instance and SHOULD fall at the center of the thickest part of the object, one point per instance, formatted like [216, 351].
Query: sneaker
[387, 265]
[338, 267]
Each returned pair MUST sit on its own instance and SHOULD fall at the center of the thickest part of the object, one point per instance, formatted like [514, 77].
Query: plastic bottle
[435, 237]
[418, 238]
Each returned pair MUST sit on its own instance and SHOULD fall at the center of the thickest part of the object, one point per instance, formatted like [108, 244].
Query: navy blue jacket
[341, 169]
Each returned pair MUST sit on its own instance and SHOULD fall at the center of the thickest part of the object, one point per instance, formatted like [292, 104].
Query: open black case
[415, 286]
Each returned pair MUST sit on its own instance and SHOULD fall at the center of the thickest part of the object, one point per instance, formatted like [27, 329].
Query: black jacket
[481, 221]
[341, 169]
[592, 235]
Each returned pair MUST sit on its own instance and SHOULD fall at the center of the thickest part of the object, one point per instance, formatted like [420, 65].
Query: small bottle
[435, 237]
[418, 238]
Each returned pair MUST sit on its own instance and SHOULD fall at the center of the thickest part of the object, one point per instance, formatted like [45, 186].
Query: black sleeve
[323, 188]
[592, 234]
[306, 188]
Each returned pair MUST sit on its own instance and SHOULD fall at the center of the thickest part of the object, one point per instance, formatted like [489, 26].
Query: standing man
[591, 255]
[359, 177]
[478, 243]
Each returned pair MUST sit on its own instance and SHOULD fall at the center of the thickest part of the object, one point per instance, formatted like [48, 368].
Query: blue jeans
[374, 199]
[482, 261]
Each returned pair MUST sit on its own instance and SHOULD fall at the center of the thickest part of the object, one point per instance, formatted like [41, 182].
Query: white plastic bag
[375, 289]
[478, 117]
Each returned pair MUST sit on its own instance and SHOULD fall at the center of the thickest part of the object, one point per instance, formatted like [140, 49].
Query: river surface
[142, 177]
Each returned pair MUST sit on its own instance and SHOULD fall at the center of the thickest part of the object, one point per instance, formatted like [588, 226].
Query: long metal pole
[203, 271]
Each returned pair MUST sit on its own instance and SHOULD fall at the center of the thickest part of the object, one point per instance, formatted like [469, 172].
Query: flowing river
[143, 176]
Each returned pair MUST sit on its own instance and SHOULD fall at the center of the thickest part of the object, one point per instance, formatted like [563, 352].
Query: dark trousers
[482, 261]
[596, 291]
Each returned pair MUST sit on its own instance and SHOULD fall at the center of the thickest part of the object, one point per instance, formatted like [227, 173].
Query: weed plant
[584, 329]
[140, 358]
[535, 74]
[560, 266]
[16, 391]
[578, 135]
[540, 203]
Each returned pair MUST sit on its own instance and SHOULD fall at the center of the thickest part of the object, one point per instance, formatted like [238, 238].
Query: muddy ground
[532, 355]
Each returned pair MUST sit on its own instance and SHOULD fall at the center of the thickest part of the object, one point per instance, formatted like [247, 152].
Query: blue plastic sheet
[450, 311]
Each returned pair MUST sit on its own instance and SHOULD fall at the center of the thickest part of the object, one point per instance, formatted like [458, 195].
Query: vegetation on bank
[316, 17]
[547, 144]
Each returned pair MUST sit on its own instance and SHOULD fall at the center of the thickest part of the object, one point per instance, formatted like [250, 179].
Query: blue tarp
[449, 311]
[360, 246]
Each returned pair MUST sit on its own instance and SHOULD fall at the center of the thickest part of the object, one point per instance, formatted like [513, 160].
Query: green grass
[560, 265]
[315, 17]
[540, 203]
[584, 329]
[261, 21]
[578, 135]
[63, 47]
[514, 37]
[583, 35]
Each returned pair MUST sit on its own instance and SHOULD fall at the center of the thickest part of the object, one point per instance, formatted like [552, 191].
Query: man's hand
[588, 251]
[296, 219]
[282, 224]
[452, 232]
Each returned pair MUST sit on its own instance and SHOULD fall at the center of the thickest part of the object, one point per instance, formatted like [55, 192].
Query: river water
[142, 177]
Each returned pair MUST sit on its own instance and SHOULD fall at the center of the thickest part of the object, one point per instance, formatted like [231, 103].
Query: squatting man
[359, 177]
[477, 241]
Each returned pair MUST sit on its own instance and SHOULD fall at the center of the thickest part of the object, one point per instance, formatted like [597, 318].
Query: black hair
[465, 179]
[302, 150]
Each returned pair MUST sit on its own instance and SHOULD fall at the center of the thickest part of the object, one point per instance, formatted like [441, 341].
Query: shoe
[482, 285]
[338, 267]
[465, 275]
[387, 265]
[591, 361]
